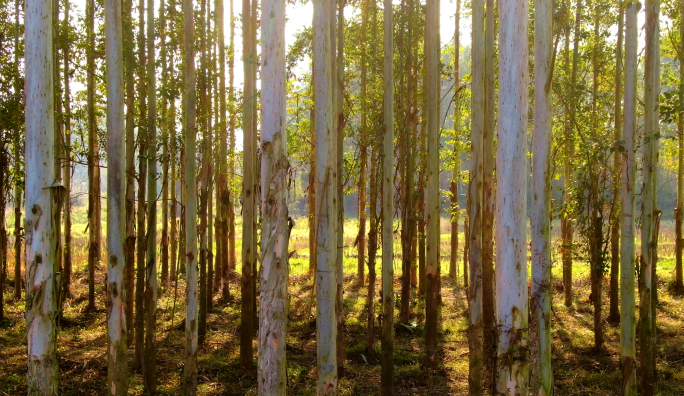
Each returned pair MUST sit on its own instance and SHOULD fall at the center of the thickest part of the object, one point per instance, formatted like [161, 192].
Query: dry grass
[579, 370]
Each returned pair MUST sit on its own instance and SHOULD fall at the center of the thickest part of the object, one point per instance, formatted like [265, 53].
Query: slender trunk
[275, 231]
[205, 172]
[223, 196]
[66, 164]
[455, 177]
[94, 207]
[433, 201]
[59, 145]
[17, 167]
[387, 337]
[372, 252]
[149, 371]
[679, 210]
[326, 206]
[312, 182]
[248, 208]
[231, 97]
[475, 205]
[3, 231]
[511, 268]
[338, 87]
[190, 195]
[649, 199]
[617, 164]
[257, 170]
[542, 289]
[164, 129]
[363, 150]
[41, 200]
[117, 377]
[129, 59]
[142, 189]
[566, 220]
[172, 182]
[487, 207]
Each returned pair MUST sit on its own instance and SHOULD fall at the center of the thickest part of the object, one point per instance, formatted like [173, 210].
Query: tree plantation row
[556, 115]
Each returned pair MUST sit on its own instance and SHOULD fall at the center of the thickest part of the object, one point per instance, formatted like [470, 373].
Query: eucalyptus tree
[326, 205]
[190, 119]
[511, 249]
[223, 195]
[455, 172]
[475, 205]
[117, 378]
[65, 290]
[363, 146]
[41, 241]
[542, 289]
[387, 335]
[275, 222]
[339, 120]
[679, 210]
[627, 205]
[17, 166]
[149, 371]
[432, 202]
[248, 193]
[649, 209]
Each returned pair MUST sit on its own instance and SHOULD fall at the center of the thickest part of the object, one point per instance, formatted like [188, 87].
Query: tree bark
[142, 189]
[129, 59]
[614, 315]
[149, 371]
[372, 252]
[455, 172]
[679, 210]
[190, 192]
[363, 150]
[41, 200]
[205, 172]
[338, 87]
[94, 206]
[649, 210]
[248, 184]
[164, 130]
[476, 203]
[223, 196]
[117, 378]
[17, 168]
[542, 289]
[231, 97]
[326, 206]
[275, 231]
[66, 163]
[511, 270]
[432, 202]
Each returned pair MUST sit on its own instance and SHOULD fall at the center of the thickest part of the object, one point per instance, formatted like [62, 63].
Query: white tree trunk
[190, 369]
[41, 242]
[117, 380]
[475, 292]
[511, 249]
[542, 289]
[387, 339]
[432, 201]
[326, 203]
[627, 244]
[275, 228]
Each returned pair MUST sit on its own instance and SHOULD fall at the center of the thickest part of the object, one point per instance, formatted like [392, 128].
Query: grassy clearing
[578, 369]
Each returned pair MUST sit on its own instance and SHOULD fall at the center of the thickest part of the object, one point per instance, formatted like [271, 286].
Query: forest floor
[578, 368]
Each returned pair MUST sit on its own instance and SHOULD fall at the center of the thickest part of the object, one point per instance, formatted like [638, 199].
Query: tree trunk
[312, 181]
[617, 164]
[455, 173]
[511, 269]
[275, 231]
[231, 97]
[205, 172]
[117, 377]
[66, 165]
[142, 188]
[338, 87]
[475, 206]
[649, 199]
[129, 59]
[432, 201]
[542, 289]
[679, 210]
[627, 205]
[248, 208]
[566, 220]
[149, 371]
[326, 206]
[223, 196]
[41, 201]
[94, 206]
[190, 192]
[363, 150]
[164, 129]
[59, 146]
[4, 160]
[17, 167]
[372, 251]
